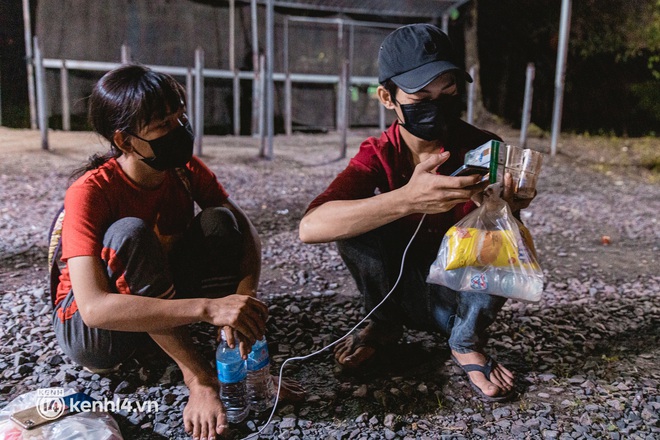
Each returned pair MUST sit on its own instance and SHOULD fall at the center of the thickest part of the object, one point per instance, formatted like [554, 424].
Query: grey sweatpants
[205, 263]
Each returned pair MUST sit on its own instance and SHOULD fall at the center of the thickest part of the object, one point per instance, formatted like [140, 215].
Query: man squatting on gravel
[372, 208]
[138, 262]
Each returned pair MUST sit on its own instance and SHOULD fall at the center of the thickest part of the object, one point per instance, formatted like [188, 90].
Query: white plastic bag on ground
[82, 426]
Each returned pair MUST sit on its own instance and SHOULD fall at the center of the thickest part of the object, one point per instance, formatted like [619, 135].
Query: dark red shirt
[385, 164]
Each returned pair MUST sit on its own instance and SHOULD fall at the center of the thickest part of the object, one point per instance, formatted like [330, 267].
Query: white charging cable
[302, 358]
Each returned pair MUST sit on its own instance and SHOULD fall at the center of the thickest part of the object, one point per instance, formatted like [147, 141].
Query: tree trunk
[472, 55]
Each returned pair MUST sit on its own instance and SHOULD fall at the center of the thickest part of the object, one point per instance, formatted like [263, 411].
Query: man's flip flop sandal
[359, 342]
[485, 370]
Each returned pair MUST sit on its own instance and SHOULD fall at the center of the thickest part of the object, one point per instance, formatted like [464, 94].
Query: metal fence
[196, 74]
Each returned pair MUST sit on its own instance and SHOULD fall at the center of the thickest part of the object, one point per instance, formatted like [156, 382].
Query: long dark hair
[127, 99]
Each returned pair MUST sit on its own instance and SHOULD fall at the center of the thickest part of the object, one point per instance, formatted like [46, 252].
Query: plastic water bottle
[260, 390]
[232, 373]
[477, 279]
[527, 287]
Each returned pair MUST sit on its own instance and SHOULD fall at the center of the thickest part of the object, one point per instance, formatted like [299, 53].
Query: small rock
[288, 422]
[124, 387]
[616, 404]
[361, 418]
[498, 413]
[162, 429]
[361, 391]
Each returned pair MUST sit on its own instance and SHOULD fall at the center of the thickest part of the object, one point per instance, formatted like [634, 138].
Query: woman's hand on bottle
[234, 337]
[245, 314]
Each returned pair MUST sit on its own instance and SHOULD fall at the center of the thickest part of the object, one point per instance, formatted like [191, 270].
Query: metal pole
[125, 54]
[560, 73]
[344, 108]
[237, 104]
[445, 23]
[27, 26]
[288, 106]
[261, 113]
[64, 86]
[199, 100]
[255, 68]
[232, 67]
[270, 92]
[340, 93]
[232, 48]
[0, 93]
[351, 44]
[471, 96]
[349, 74]
[190, 100]
[527, 104]
[41, 94]
[381, 116]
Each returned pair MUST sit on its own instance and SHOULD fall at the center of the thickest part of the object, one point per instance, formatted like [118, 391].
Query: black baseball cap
[414, 55]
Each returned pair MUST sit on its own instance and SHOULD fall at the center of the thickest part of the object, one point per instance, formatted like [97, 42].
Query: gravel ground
[586, 356]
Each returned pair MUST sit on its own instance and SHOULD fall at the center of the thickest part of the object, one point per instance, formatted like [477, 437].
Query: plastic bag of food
[489, 251]
[80, 426]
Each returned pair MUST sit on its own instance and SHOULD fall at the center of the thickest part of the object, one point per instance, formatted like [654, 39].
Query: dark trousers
[374, 261]
[205, 263]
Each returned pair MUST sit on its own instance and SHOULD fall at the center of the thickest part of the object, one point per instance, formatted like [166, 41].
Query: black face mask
[172, 150]
[432, 120]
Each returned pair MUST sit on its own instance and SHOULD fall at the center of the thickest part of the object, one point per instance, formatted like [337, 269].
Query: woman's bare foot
[354, 351]
[204, 415]
[501, 378]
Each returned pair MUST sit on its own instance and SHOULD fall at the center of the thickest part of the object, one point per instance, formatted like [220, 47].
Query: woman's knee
[219, 222]
[129, 231]
[93, 348]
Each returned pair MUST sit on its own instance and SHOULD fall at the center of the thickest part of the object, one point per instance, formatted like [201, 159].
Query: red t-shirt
[384, 164]
[104, 195]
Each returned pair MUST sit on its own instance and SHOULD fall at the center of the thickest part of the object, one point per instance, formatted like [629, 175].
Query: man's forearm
[341, 219]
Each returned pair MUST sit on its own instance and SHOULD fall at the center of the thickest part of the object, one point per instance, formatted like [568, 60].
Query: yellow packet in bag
[499, 248]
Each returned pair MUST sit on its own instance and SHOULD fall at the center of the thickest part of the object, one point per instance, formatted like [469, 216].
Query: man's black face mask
[432, 120]
[173, 150]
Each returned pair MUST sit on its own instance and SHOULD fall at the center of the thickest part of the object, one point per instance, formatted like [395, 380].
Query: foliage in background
[626, 29]
[613, 67]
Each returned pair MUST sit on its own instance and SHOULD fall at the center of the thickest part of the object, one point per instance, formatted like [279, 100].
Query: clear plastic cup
[525, 167]
[514, 157]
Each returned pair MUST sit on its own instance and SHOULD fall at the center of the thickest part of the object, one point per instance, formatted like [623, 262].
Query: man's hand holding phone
[469, 170]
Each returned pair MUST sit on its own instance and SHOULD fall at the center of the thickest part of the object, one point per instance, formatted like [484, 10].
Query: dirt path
[587, 355]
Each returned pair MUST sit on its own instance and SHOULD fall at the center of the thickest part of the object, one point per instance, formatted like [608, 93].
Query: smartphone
[468, 170]
[34, 417]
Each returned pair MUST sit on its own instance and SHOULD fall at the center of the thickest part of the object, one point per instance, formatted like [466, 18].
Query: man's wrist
[204, 310]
